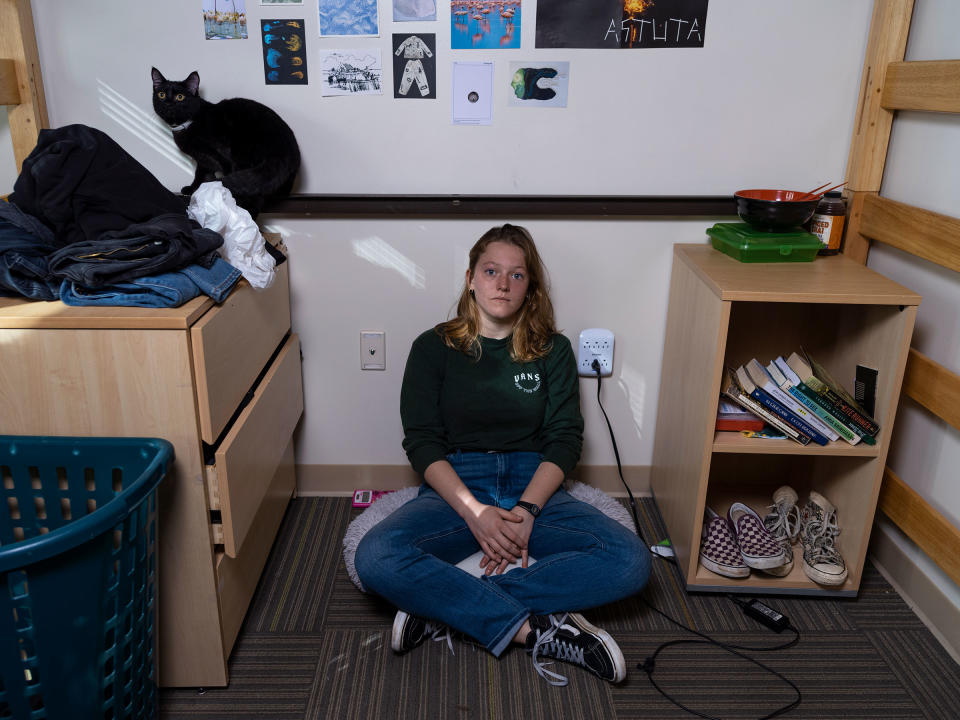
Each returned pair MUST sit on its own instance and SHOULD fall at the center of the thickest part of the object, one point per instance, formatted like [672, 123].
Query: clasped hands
[503, 536]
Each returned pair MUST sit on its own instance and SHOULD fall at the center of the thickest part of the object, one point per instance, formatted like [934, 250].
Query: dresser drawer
[251, 451]
[237, 577]
[232, 343]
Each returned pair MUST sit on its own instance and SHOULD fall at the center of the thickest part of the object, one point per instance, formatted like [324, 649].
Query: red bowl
[775, 210]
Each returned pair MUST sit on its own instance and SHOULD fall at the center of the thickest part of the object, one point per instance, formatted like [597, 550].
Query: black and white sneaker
[570, 638]
[409, 631]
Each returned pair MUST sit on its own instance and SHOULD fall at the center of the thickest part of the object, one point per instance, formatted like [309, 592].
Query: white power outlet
[595, 344]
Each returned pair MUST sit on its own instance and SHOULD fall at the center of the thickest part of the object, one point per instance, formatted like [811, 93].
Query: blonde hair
[534, 326]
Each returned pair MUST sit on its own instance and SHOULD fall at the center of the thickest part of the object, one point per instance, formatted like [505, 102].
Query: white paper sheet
[472, 100]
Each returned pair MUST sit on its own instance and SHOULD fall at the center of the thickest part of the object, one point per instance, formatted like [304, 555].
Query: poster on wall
[538, 83]
[224, 20]
[484, 24]
[620, 23]
[355, 18]
[351, 72]
[414, 66]
[414, 10]
[284, 51]
[471, 101]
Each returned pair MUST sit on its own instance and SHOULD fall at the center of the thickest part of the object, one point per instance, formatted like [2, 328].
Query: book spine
[842, 430]
[770, 403]
[827, 407]
[842, 406]
[774, 421]
[794, 406]
[775, 408]
[735, 425]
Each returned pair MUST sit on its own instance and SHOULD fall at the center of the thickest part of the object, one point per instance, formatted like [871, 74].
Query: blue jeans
[23, 257]
[584, 559]
[170, 289]
[163, 244]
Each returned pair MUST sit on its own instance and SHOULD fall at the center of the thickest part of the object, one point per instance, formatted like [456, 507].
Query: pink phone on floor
[363, 498]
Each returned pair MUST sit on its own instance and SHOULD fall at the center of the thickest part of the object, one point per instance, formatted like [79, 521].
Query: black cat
[240, 142]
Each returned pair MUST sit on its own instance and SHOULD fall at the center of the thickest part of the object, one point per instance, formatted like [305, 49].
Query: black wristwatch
[529, 507]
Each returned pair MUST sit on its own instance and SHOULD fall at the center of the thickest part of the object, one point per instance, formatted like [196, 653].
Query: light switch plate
[373, 350]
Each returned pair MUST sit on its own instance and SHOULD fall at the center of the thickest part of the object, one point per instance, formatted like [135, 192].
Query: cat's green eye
[179, 97]
[161, 95]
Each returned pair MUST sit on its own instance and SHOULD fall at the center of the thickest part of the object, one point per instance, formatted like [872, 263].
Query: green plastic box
[746, 244]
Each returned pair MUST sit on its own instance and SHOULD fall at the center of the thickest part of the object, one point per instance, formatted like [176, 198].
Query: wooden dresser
[218, 381]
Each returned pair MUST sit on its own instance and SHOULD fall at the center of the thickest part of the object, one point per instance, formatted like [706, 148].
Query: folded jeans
[162, 290]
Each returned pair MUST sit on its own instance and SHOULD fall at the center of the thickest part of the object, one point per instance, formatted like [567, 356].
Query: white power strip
[595, 344]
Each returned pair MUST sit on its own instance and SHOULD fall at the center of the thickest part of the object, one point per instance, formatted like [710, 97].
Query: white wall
[611, 274]
[923, 169]
[8, 167]
[403, 276]
[761, 102]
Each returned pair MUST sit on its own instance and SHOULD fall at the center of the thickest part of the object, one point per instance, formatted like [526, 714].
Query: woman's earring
[473, 294]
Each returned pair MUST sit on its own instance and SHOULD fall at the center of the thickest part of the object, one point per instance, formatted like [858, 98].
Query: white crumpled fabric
[213, 206]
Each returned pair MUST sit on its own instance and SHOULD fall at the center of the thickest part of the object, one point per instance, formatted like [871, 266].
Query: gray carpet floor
[313, 646]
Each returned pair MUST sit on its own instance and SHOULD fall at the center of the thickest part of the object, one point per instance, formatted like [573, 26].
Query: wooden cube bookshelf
[724, 312]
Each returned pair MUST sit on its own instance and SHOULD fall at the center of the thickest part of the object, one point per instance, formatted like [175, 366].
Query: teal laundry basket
[77, 576]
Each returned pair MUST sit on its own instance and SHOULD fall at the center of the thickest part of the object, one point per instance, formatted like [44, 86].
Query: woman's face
[499, 282]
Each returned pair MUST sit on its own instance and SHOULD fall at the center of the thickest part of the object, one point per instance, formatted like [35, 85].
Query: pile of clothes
[89, 225]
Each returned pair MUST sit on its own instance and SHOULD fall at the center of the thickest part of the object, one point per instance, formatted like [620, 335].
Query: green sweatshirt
[450, 401]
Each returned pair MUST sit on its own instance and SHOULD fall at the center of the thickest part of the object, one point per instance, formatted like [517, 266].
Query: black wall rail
[509, 206]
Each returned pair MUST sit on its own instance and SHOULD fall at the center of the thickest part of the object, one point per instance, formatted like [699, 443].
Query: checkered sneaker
[758, 547]
[718, 548]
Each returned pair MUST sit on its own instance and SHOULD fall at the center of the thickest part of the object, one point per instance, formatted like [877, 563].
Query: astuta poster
[620, 23]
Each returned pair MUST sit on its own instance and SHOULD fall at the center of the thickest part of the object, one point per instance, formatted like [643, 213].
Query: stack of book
[736, 418]
[798, 397]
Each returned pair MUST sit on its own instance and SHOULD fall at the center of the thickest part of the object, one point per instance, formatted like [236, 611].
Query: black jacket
[81, 184]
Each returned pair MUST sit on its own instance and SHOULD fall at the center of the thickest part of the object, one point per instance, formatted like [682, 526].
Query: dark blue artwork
[284, 52]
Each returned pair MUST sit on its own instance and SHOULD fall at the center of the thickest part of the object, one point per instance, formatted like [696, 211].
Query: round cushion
[386, 504]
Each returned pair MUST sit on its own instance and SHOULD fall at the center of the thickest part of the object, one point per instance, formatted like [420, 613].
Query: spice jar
[827, 223]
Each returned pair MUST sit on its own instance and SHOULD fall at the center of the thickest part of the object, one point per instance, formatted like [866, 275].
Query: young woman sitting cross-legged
[490, 406]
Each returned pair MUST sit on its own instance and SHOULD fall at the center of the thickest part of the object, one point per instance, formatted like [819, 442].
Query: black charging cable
[616, 453]
[753, 608]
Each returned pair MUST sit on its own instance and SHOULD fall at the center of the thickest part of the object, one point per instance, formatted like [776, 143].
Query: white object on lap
[472, 564]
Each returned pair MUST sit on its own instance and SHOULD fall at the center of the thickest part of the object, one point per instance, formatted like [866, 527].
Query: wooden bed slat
[933, 386]
[930, 85]
[923, 233]
[18, 42]
[930, 530]
[887, 43]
